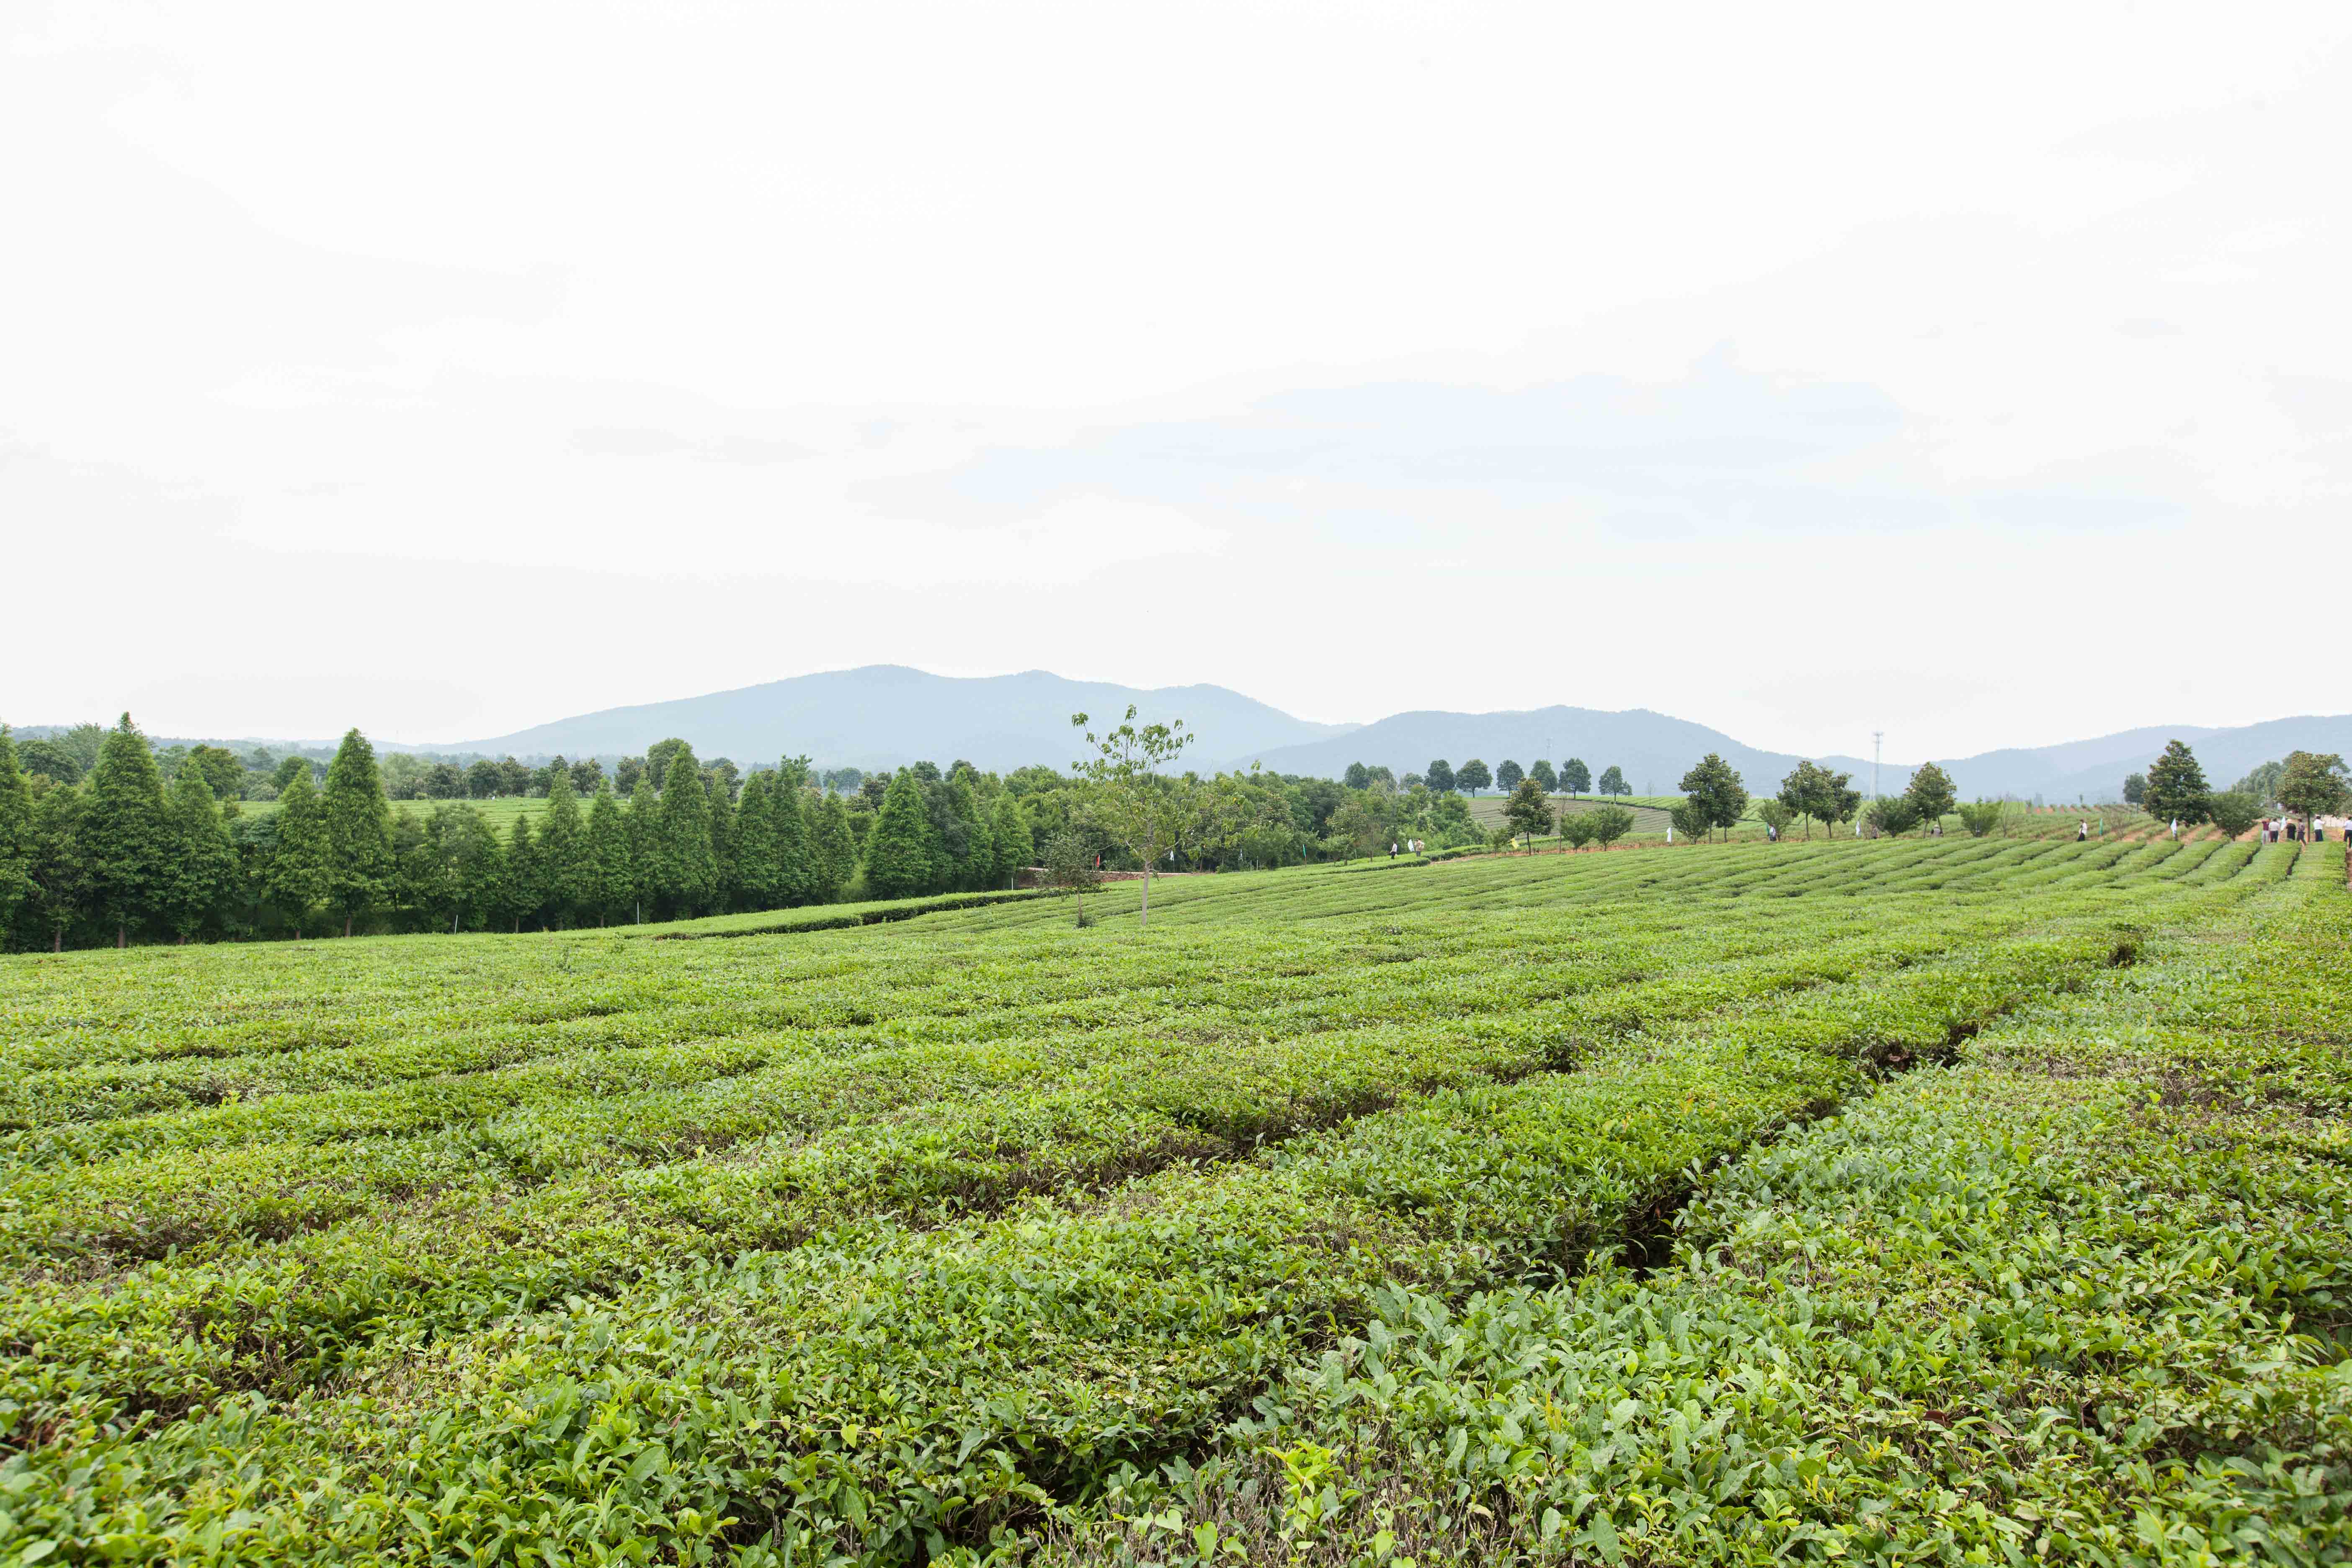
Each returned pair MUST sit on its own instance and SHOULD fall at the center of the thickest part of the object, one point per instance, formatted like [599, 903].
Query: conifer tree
[833, 852]
[718, 789]
[752, 869]
[481, 867]
[297, 874]
[16, 835]
[610, 877]
[563, 866]
[359, 831]
[1015, 847]
[518, 891]
[648, 856]
[125, 831]
[897, 857]
[798, 875]
[59, 897]
[204, 861]
[975, 865]
[687, 861]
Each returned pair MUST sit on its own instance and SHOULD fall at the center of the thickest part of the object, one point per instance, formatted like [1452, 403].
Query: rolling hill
[884, 715]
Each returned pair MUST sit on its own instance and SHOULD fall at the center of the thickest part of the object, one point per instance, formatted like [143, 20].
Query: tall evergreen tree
[688, 859]
[798, 875]
[832, 850]
[975, 861]
[519, 891]
[751, 865]
[564, 876]
[298, 873]
[16, 835]
[611, 875]
[898, 854]
[204, 861]
[359, 831]
[59, 900]
[719, 787]
[125, 832]
[1015, 849]
[648, 855]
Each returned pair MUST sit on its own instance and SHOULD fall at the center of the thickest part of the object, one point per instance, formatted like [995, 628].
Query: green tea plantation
[1950, 1200]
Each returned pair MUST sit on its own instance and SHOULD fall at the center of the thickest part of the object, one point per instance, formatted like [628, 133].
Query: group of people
[2287, 830]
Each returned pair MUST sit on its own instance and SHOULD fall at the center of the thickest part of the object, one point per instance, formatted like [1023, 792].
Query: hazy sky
[1983, 376]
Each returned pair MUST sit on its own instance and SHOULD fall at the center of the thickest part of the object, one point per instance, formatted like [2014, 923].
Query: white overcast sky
[1982, 374]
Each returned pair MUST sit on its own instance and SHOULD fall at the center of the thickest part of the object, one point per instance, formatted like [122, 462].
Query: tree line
[1572, 777]
[105, 840]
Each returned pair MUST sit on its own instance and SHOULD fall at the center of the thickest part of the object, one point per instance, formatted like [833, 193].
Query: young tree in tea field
[1715, 793]
[202, 859]
[1981, 818]
[297, 876]
[16, 835]
[2234, 812]
[1613, 779]
[897, 858]
[1576, 826]
[1774, 813]
[2136, 789]
[2312, 784]
[1610, 823]
[1893, 815]
[1541, 771]
[1439, 777]
[358, 821]
[2175, 786]
[1528, 811]
[1508, 774]
[1070, 865]
[1473, 776]
[1690, 819]
[126, 832]
[1798, 792]
[1577, 779]
[1930, 794]
[1131, 794]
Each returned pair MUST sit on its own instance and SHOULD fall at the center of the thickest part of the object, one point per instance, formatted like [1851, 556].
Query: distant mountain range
[882, 716]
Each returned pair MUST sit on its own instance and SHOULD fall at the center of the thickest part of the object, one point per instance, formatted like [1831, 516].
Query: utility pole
[1877, 738]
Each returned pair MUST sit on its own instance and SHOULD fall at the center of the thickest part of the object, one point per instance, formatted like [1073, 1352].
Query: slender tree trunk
[347, 922]
[56, 939]
[122, 937]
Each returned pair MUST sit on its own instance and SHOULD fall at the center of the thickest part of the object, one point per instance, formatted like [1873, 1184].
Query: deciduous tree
[1439, 777]
[1130, 794]
[1473, 776]
[1930, 794]
[1610, 823]
[1613, 779]
[1577, 779]
[2175, 786]
[1541, 771]
[2312, 784]
[2234, 812]
[1508, 774]
[1528, 811]
[1715, 793]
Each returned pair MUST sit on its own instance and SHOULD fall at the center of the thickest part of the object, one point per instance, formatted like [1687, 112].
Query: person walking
[2082, 830]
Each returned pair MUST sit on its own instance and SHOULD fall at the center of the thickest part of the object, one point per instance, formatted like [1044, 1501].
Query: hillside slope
[883, 715]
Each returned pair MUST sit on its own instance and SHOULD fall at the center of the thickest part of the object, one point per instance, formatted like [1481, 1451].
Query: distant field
[500, 813]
